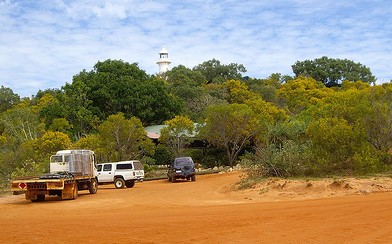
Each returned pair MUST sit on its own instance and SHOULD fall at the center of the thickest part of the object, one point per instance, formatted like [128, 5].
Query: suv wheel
[130, 183]
[193, 177]
[119, 183]
[173, 179]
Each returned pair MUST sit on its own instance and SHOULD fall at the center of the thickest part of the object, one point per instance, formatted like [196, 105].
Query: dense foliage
[279, 125]
[333, 71]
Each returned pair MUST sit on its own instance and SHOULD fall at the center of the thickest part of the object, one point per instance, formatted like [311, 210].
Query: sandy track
[205, 211]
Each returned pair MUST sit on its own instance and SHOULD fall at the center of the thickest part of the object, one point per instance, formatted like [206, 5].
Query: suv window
[138, 165]
[183, 162]
[107, 167]
[124, 166]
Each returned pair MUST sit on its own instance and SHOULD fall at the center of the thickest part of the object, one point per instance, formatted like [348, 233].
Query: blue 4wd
[181, 168]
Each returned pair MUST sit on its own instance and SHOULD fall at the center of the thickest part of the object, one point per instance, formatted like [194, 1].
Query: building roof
[154, 131]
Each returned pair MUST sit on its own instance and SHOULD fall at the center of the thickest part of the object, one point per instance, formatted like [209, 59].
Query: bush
[214, 157]
[366, 162]
[162, 155]
[291, 159]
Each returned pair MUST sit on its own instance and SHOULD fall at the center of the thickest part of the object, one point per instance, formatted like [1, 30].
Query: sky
[44, 43]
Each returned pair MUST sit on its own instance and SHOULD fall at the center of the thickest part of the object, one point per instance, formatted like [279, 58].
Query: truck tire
[93, 186]
[40, 198]
[130, 183]
[75, 191]
[119, 183]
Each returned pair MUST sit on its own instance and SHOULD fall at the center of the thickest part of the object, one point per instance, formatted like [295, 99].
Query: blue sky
[43, 44]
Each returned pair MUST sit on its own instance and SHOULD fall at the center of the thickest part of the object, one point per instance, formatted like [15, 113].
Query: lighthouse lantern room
[163, 61]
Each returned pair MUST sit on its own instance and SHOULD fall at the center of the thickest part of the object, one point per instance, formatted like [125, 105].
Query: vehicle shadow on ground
[48, 199]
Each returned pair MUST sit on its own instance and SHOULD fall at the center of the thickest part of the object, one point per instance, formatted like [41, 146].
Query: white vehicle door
[106, 173]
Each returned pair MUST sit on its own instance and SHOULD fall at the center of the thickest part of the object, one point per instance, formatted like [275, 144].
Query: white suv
[124, 173]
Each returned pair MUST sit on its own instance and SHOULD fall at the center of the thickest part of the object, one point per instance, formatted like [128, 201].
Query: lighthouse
[163, 61]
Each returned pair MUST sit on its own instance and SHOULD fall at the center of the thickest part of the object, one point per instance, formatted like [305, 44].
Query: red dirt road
[205, 211]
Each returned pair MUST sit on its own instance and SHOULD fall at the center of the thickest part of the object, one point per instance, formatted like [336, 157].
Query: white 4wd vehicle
[124, 173]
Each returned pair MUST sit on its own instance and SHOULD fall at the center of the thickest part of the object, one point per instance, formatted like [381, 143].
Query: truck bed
[47, 181]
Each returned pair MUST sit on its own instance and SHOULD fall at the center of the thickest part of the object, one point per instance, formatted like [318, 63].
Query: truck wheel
[93, 186]
[119, 183]
[40, 198]
[130, 183]
[75, 191]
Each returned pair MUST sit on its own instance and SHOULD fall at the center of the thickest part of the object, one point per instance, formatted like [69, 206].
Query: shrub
[291, 159]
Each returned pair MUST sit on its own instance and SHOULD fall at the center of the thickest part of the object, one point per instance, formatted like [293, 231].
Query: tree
[114, 86]
[231, 127]
[78, 108]
[187, 85]
[215, 72]
[21, 123]
[333, 71]
[177, 134]
[51, 142]
[7, 98]
[238, 92]
[302, 92]
[267, 87]
[124, 139]
[334, 142]
[376, 115]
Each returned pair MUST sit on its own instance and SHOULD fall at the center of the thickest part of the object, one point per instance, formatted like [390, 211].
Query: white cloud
[44, 43]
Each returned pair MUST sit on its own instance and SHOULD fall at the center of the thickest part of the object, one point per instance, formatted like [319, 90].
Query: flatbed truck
[70, 172]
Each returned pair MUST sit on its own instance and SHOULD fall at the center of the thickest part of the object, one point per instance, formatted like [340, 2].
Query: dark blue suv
[181, 168]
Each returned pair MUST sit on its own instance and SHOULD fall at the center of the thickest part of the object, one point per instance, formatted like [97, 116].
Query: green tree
[21, 123]
[115, 86]
[334, 143]
[51, 142]
[7, 98]
[231, 127]
[177, 134]
[124, 139]
[78, 108]
[375, 116]
[300, 93]
[162, 155]
[50, 106]
[267, 87]
[187, 85]
[328, 70]
[215, 72]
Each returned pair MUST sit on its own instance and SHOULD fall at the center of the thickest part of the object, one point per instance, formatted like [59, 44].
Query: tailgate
[24, 185]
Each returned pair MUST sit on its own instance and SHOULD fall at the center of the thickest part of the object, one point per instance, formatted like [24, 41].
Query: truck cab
[77, 162]
[122, 174]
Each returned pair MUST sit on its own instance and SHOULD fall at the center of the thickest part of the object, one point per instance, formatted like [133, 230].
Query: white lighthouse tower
[163, 61]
